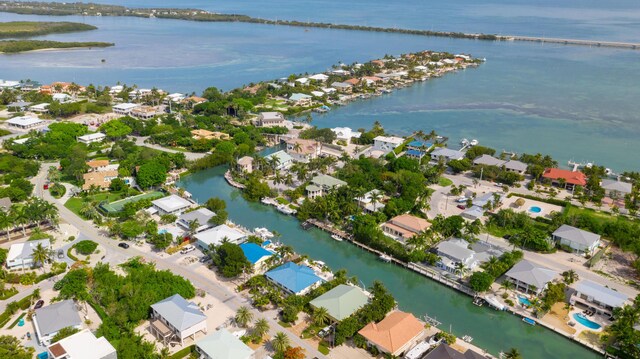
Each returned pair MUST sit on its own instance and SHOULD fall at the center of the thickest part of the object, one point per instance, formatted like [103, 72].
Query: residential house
[270, 119]
[341, 302]
[98, 165]
[82, 345]
[91, 138]
[395, 334]
[216, 235]
[222, 345]
[40, 108]
[345, 133]
[202, 215]
[578, 240]
[456, 256]
[321, 184]
[492, 199]
[488, 160]
[20, 255]
[283, 160]
[342, 87]
[473, 213]
[175, 319]
[303, 150]
[193, 100]
[145, 112]
[597, 297]
[99, 179]
[371, 201]
[6, 84]
[62, 98]
[293, 278]
[530, 277]
[387, 144]
[174, 97]
[201, 134]
[49, 320]
[616, 188]
[404, 226]
[256, 255]
[319, 77]
[18, 106]
[172, 204]
[24, 122]
[245, 164]
[446, 154]
[371, 80]
[300, 99]
[124, 109]
[444, 351]
[516, 166]
[417, 149]
[565, 178]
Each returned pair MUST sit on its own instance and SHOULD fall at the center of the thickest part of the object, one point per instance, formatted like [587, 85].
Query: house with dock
[302, 150]
[404, 226]
[216, 235]
[576, 239]
[529, 277]
[256, 255]
[321, 184]
[395, 334]
[594, 296]
[455, 256]
[616, 188]
[565, 178]
[386, 144]
[446, 154]
[294, 278]
[300, 99]
[445, 351]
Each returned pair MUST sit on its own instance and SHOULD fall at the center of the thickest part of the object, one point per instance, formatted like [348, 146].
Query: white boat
[263, 232]
[464, 142]
[336, 237]
[385, 258]
[494, 302]
[285, 209]
[473, 142]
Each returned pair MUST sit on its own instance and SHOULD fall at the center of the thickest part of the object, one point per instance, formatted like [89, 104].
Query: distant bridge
[553, 40]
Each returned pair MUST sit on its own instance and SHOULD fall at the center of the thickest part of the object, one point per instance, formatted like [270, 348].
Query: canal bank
[492, 330]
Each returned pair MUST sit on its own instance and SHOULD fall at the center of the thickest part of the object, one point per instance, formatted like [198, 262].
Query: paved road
[116, 255]
[191, 156]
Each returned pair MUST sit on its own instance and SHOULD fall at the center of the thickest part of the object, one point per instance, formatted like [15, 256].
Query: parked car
[461, 200]
[462, 206]
[60, 254]
[324, 332]
[46, 186]
[123, 245]
[187, 249]
[205, 259]
[39, 304]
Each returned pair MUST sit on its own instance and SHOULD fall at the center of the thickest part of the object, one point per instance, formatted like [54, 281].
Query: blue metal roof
[419, 144]
[254, 252]
[293, 277]
[415, 153]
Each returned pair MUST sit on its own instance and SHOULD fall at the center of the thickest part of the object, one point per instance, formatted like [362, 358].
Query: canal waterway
[492, 330]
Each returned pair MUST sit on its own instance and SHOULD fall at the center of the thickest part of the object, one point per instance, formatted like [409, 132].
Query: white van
[187, 249]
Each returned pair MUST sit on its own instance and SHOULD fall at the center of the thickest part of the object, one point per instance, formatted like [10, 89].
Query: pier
[592, 43]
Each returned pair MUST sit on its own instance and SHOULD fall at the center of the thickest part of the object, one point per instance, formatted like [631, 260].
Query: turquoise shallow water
[492, 330]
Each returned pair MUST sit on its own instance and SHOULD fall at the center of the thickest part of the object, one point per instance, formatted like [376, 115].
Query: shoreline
[51, 49]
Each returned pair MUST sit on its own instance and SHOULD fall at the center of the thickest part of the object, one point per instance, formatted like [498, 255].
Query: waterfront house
[303, 150]
[395, 334]
[302, 80]
[124, 109]
[345, 133]
[7, 84]
[597, 297]
[270, 119]
[444, 351]
[82, 345]
[300, 99]
[222, 345]
[175, 319]
[318, 94]
[172, 204]
[616, 188]
[342, 87]
[341, 302]
[100, 179]
[446, 154]
[283, 160]
[24, 122]
[578, 240]
[516, 166]
[256, 255]
[565, 178]
[92, 137]
[371, 201]
[455, 254]
[417, 149]
[387, 144]
[245, 164]
[404, 226]
[321, 184]
[216, 235]
[20, 255]
[62, 98]
[371, 80]
[530, 277]
[202, 215]
[49, 320]
[173, 97]
[488, 160]
[319, 77]
[293, 278]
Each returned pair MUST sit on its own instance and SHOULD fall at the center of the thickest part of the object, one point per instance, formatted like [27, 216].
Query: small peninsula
[16, 46]
[15, 29]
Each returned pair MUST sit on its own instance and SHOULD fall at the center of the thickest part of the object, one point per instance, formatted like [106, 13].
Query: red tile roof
[576, 178]
[393, 332]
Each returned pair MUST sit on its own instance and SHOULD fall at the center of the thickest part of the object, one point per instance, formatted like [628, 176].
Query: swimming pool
[523, 300]
[162, 231]
[535, 209]
[580, 318]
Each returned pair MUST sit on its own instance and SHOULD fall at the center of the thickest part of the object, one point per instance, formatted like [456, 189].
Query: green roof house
[222, 345]
[341, 301]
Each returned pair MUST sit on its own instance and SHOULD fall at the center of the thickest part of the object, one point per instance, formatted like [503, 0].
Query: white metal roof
[601, 293]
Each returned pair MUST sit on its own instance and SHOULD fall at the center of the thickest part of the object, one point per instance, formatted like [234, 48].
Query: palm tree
[20, 217]
[280, 342]
[570, 276]
[260, 328]
[6, 222]
[89, 211]
[461, 269]
[321, 316]
[513, 353]
[243, 316]
[507, 285]
[165, 353]
[193, 227]
[41, 254]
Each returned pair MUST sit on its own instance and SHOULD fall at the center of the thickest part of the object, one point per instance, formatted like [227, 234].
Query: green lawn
[444, 182]
[74, 204]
